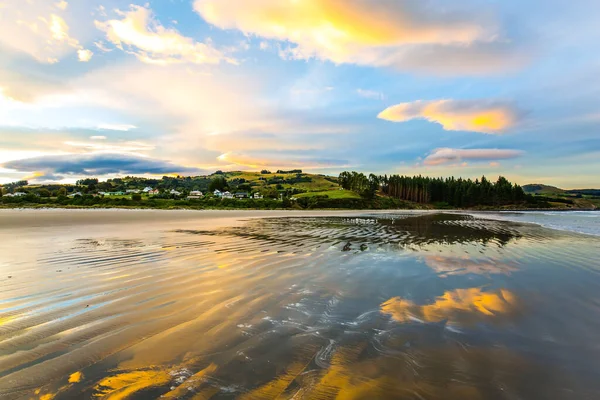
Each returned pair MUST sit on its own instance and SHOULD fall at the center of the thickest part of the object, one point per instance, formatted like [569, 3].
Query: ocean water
[381, 306]
[587, 222]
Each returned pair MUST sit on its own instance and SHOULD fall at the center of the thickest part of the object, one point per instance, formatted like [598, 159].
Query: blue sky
[108, 88]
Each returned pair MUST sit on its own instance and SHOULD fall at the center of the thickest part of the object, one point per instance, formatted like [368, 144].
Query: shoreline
[491, 210]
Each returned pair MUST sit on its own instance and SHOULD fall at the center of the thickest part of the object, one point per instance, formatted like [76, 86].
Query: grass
[318, 183]
[332, 194]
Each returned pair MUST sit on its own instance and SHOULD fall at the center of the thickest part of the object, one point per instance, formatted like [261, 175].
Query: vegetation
[297, 190]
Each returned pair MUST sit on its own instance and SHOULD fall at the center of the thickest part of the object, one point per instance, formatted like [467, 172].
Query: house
[130, 191]
[175, 192]
[75, 194]
[226, 195]
[257, 195]
[9, 195]
[217, 193]
[195, 194]
[114, 193]
[20, 194]
[241, 195]
[154, 192]
[147, 189]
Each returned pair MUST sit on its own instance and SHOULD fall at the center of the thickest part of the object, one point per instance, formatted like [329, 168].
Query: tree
[44, 192]
[217, 183]
[62, 192]
[136, 197]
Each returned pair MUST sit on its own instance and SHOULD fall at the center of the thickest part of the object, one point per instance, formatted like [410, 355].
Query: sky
[108, 88]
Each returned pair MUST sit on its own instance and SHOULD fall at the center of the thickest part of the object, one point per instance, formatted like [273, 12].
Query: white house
[195, 194]
[227, 195]
[9, 195]
[257, 195]
[217, 193]
[75, 194]
[133, 191]
[147, 189]
[175, 192]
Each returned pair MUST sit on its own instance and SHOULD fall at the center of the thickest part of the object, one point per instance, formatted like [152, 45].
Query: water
[399, 306]
[587, 222]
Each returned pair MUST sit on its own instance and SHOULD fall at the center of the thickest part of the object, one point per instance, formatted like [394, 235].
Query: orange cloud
[251, 162]
[362, 32]
[453, 305]
[458, 115]
[152, 43]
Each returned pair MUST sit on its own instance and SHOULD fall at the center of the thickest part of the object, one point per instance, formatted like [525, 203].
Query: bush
[136, 197]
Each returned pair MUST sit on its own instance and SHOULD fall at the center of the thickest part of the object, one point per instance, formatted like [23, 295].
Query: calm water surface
[384, 306]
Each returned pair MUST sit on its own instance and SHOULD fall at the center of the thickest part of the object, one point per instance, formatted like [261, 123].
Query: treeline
[208, 202]
[450, 191]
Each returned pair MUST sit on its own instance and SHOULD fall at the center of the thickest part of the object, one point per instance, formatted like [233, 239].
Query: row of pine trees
[455, 192]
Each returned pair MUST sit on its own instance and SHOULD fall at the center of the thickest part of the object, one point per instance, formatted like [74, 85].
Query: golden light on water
[451, 305]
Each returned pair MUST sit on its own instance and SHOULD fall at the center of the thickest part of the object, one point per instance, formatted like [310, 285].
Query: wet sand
[228, 304]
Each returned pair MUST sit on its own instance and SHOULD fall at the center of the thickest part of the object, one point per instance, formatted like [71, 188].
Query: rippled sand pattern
[382, 306]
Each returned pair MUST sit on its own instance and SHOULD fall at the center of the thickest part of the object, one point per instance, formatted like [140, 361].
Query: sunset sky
[106, 88]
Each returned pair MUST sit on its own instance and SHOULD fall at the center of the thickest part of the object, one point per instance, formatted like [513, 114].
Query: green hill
[538, 188]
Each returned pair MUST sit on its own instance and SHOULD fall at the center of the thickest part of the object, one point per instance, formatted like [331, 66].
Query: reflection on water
[452, 305]
[388, 306]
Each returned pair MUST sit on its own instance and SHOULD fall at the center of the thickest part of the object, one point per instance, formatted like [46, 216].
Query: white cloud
[370, 94]
[84, 55]
[455, 156]
[402, 34]
[138, 33]
[97, 137]
[37, 28]
[117, 127]
[62, 5]
[458, 115]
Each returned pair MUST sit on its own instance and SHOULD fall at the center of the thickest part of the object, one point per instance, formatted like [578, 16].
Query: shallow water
[587, 222]
[383, 306]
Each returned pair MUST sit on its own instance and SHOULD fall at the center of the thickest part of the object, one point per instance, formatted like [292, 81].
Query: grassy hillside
[303, 181]
[538, 188]
[332, 194]
[565, 199]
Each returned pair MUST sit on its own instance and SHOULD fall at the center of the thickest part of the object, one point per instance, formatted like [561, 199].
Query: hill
[538, 188]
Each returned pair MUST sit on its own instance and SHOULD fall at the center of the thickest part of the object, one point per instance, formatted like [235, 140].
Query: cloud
[448, 155]
[254, 162]
[140, 34]
[120, 147]
[459, 305]
[117, 127]
[62, 5]
[98, 138]
[84, 55]
[395, 33]
[36, 28]
[370, 94]
[458, 115]
[96, 165]
[26, 87]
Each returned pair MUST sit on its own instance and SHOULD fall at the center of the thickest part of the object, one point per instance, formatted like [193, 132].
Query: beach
[145, 304]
